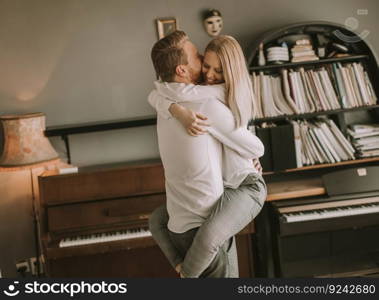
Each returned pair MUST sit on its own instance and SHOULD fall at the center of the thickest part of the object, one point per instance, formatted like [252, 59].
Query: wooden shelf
[295, 189]
[64, 130]
[307, 63]
[312, 115]
[319, 166]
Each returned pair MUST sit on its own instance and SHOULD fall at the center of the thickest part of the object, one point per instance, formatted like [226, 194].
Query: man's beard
[196, 78]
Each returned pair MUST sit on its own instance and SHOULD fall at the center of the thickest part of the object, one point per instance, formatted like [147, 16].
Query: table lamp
[24, 140]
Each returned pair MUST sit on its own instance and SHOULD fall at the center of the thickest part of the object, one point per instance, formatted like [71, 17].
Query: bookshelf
[358, 53]
[284, 176]
[309, 63]
[314, 114]
[319, 166]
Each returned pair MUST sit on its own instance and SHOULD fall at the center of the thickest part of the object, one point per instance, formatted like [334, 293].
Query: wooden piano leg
[245, 256]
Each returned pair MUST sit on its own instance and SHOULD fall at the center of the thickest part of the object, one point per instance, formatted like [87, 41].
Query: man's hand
[257, 165]
[178, 268]
[191, 120]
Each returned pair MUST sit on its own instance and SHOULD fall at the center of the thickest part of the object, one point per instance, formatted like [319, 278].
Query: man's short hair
[167, 54]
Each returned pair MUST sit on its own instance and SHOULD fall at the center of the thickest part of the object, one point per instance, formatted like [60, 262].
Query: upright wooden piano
[94, 223]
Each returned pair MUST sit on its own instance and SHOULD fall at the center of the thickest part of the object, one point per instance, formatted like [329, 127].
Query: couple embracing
[214, 186]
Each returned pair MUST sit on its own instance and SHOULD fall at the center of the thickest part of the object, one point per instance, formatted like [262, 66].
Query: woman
[245, 191]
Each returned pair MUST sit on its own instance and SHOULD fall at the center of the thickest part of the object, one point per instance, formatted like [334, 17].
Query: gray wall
[88, 60]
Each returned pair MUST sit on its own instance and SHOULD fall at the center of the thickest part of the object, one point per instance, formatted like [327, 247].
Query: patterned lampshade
[24, 140]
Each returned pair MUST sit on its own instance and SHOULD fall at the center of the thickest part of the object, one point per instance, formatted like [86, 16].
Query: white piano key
[104, 237]
[332, 213]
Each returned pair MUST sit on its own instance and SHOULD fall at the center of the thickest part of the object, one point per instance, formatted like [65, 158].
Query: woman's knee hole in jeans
[258, 192]
[259, 199]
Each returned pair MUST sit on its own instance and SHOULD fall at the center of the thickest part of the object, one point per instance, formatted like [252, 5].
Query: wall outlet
[23, 267]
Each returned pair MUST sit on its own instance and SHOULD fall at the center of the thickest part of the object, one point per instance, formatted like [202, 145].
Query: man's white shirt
[197, 168]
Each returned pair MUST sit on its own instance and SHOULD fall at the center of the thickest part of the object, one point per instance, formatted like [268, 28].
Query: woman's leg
[221, 265]
[235, 209]
[176, 245]
[158, 227]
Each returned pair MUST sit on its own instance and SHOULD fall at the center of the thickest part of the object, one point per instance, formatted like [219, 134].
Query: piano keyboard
[104, 237]
[333, 212]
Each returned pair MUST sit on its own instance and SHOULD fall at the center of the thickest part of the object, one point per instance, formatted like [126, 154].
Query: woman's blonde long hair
[239, 92]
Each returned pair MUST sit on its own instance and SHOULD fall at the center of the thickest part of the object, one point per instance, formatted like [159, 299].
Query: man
[193, 166]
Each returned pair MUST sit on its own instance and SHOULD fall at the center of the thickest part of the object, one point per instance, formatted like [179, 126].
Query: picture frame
[165, 26]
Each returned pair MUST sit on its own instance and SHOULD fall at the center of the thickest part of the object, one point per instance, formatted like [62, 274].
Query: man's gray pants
[209, 244]
[224, 264]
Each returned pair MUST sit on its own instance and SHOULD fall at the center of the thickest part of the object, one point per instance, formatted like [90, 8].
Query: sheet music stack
[365, 138]
[330, 87]
[320, 141]
[293, 144]
[277, 55]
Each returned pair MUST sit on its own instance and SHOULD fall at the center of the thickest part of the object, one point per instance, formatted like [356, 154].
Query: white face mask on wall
[213, 25]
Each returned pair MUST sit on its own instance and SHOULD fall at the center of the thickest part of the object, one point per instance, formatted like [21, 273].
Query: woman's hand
[192, 121]
[257, 165]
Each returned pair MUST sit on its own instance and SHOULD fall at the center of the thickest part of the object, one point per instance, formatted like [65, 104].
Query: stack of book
[352, 84]
[277, 54]
[303, 51]
[365, 138]
[329, 87]
[294, 144]
[320, 141]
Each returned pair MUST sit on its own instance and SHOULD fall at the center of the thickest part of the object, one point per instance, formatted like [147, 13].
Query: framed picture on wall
[165, 26]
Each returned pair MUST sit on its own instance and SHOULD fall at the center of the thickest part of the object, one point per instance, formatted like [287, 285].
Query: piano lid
[354, 180]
